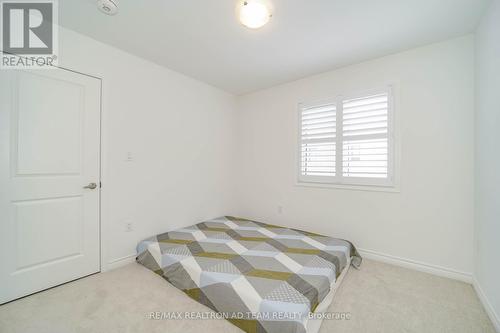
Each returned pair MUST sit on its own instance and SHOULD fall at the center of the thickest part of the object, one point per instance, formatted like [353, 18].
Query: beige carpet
[379, 298]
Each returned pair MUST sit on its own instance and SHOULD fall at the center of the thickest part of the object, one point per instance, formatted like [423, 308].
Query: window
[348, 140]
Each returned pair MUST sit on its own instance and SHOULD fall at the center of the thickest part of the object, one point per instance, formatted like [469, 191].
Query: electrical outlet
[280, 209]
[129, 227]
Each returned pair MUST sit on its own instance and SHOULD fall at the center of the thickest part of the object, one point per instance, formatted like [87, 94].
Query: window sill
[370, 188]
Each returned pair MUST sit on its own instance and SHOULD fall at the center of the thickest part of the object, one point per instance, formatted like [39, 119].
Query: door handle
[91, 186]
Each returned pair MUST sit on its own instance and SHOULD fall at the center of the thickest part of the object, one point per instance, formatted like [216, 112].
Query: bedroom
[197, 140]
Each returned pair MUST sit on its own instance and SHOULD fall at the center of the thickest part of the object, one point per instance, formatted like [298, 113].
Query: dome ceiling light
[254, 14]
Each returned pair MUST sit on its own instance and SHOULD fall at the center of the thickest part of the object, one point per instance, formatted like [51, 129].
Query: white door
[49, 150]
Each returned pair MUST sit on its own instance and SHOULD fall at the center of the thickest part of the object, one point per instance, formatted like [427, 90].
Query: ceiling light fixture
[254, 14]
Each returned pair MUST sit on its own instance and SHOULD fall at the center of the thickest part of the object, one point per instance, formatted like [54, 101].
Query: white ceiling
[203, 38]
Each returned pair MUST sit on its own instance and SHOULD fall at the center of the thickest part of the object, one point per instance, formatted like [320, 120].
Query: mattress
[313, 324]
[258, 276]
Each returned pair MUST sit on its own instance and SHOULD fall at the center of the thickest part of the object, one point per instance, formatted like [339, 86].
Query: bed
[258, 276]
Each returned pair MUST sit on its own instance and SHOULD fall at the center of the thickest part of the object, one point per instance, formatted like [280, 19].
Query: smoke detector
[108, 7]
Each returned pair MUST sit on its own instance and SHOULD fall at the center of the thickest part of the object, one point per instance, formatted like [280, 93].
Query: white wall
[431, 219]
[487, 230]
[179, 131]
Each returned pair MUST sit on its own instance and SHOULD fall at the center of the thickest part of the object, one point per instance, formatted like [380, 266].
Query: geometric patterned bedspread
[260, 277]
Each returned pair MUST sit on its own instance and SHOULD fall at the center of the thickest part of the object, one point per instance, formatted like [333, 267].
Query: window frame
[390, 183]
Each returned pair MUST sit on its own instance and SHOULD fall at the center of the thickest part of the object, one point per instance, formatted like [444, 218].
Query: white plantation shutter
[318, 141]
[365, 130]
[361, 128]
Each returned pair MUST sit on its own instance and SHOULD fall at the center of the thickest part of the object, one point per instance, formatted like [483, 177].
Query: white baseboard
[368, 254]
[117, 263]
[415, 265]
[494, 317]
